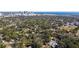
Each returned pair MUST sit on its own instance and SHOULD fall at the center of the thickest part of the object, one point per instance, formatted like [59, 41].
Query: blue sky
[39, 5]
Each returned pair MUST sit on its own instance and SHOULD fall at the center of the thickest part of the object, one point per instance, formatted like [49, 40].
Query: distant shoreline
[31, 13]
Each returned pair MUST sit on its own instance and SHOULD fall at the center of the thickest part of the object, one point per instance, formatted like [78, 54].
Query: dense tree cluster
[39, 32]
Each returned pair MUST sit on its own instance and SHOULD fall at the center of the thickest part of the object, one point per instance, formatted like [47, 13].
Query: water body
[58, 13]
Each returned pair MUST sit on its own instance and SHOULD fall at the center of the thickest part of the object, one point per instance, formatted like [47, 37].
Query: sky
[39, 5]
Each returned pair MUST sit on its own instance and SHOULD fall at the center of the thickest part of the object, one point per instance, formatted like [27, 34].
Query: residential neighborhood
[39, 31]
